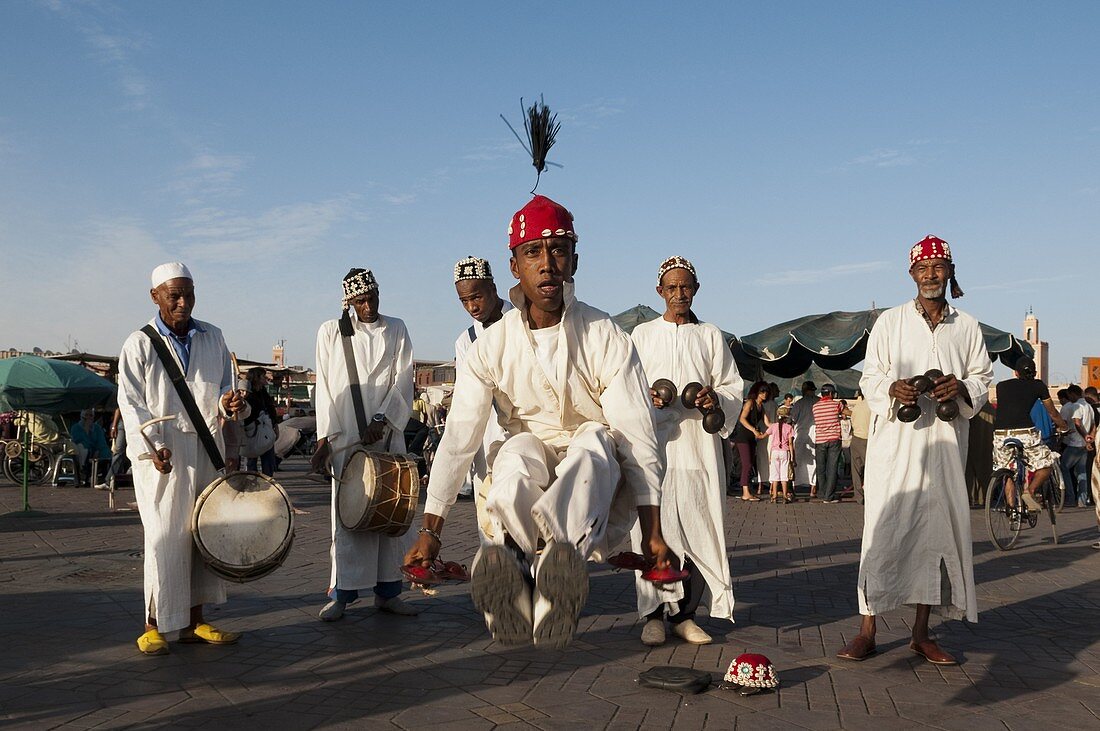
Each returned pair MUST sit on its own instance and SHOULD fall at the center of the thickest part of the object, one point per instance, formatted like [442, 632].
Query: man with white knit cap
[477, 291]
[177, 582]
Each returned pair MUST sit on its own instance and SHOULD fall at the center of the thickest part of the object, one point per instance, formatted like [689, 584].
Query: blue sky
[794, 151]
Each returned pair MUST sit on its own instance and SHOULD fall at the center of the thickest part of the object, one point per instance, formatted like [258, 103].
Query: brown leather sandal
[859, 649]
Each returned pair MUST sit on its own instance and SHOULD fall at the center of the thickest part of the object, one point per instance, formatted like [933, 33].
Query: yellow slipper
[209, 634]
[152, 643]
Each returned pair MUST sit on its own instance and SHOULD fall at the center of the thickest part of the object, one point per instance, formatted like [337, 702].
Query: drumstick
[146, 425]
[237, 380]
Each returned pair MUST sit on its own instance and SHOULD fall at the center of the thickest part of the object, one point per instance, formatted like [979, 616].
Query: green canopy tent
[846, 381]
[838, 340]
[47, 386]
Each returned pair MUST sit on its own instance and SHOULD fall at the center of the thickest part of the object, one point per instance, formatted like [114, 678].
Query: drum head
[242, 521]
[354, 498]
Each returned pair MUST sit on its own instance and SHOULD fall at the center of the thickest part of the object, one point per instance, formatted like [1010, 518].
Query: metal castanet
[378, 491]
[243, 526]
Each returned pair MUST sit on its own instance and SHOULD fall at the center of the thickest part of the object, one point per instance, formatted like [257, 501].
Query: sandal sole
[562, 580]
[496, 585]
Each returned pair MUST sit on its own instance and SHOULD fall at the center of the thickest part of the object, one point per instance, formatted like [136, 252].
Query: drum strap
[188, 400]
[346, 333]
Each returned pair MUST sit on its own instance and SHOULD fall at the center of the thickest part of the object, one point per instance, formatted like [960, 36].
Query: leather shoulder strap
[472, 333]
[186, 398]
[346, 334]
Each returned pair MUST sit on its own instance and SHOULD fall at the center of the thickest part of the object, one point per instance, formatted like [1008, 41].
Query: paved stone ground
[70, 610]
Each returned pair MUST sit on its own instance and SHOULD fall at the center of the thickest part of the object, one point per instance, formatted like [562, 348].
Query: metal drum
[243, 525]
[378, 492]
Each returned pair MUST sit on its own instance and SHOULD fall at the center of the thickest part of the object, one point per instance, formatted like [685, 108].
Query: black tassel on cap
[541, 126]
[956, 290]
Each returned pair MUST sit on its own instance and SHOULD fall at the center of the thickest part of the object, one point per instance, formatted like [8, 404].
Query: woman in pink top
[780, 434]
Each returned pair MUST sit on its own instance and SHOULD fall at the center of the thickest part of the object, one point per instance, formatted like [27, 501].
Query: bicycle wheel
[38, 471]
[1049, 500]
[1058, 487]
[1003, 520]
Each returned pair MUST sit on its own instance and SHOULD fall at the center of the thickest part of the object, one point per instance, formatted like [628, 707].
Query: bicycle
[1006, 514]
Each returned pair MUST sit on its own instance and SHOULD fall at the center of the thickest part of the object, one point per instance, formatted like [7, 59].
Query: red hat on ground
[753, 671]
[933, 247]
[542, 218]
[930, 247]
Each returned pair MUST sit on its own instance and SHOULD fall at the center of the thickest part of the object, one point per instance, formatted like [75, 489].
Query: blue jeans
[267, 462]
[827, 455]
[1073, 461]
[382, 590]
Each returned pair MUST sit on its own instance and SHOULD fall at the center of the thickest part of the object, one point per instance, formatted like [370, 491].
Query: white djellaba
[694, 487]
[916, 530]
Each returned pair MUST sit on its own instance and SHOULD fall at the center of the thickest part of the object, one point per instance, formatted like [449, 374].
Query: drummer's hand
[707, 399]
[903, 392]
[233, 402]
[423, 552]
[946, 388]
[659, 554]
[162, 460]
[657, 402]
[322, 456]
[375, 432]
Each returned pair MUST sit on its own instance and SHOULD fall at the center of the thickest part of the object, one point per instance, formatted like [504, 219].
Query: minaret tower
[1031, 335]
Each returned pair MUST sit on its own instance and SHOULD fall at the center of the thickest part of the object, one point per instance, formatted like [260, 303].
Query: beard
[933, 293]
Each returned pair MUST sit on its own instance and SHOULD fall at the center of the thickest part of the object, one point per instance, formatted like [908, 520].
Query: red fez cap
[541, 218]
[930, 247]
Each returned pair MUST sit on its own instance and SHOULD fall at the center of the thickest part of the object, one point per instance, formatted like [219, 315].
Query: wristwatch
[380, 418]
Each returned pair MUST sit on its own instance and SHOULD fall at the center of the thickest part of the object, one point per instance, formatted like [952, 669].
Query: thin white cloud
[810, 276]
[402, 199]
[1020, 284]
[206, 175]
[111, 45]
[884, 158]
[219, 235]
[589, 115]
[495, 151]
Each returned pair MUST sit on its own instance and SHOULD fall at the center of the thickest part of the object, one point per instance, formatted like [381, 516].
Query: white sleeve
[328, 418]
[471, 406]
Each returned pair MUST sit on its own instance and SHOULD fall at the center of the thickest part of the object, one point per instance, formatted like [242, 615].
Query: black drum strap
[346, 333]
[188, 400]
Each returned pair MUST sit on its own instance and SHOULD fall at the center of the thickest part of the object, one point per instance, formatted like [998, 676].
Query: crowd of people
[574, 438]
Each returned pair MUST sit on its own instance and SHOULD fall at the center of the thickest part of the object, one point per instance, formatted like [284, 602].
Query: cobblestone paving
[70, 610]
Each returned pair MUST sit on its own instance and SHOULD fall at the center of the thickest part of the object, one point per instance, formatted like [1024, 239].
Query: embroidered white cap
[171, 270]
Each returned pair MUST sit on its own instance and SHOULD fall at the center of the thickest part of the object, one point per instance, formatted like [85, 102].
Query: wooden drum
[378, 492]
[243, 525]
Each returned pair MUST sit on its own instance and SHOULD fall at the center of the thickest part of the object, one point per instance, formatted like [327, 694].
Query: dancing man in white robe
[177, 582]
[478, 294]
[578, 415]
[384, 366]
[682, 349]
[916, 534]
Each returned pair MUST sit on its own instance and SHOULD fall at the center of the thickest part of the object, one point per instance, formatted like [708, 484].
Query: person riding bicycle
[1015, 399]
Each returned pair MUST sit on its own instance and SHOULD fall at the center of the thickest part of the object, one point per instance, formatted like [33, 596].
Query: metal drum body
[243, 526]
[378, 492]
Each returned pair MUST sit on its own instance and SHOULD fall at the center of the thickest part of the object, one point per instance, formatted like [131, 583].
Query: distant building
[1090, 372]
[278, 353]
[1042, 349]
[433, 373]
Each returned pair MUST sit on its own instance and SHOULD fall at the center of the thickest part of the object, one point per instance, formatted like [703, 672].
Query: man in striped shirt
[827, 413]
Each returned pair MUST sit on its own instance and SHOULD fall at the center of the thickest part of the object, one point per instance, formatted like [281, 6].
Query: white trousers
[564, 496]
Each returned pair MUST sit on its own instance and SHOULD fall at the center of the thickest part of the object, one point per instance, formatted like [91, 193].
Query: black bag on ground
[678, 680]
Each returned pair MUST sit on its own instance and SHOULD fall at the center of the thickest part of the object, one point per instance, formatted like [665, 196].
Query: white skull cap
[171, 270]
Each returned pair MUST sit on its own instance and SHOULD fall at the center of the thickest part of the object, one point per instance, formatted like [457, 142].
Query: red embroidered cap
[753, 671]
[541, 218]
[930, 247]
